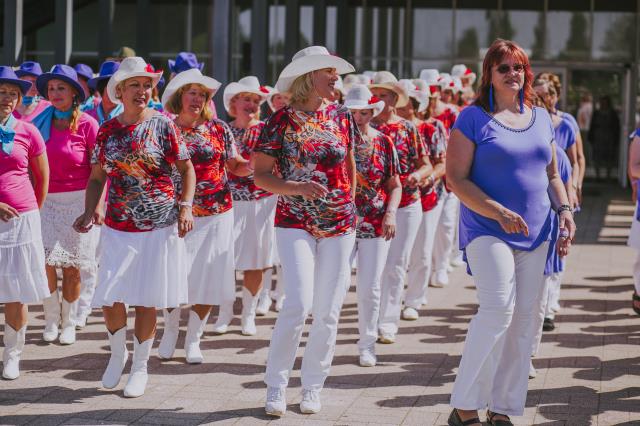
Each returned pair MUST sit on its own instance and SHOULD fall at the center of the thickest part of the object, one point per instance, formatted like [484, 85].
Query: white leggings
[316, 278]
[494, 368]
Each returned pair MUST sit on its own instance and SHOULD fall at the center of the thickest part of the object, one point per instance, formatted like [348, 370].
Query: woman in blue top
[501, 164]
[634, 235]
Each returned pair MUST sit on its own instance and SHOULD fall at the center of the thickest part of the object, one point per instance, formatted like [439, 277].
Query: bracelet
[390, 211]
[431, 179]
[185, 204]
[564, 207]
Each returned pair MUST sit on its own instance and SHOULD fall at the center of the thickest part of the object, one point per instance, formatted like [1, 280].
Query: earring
[521, 101]
[491, 98]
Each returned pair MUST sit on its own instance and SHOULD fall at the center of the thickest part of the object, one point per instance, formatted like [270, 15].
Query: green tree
[468, 45]
[537, 49]
[619, 40]
[578, 43]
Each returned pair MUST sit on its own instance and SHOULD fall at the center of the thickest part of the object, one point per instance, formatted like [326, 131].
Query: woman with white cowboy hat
[312, 145]
[142, 253]
[377, 198]
[210, 255]
[253, 208]
[467, 78]
[23, 158]
[70, 137]
[32, 103]
[414, 170]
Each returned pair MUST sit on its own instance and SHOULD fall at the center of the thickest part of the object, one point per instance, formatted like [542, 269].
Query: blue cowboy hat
[185, 61]
[84, 70]
[60, 72]
[107, 69]
[29, 68]
[8, 76]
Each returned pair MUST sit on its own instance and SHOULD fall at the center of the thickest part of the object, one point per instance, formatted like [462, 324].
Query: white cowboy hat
[192, 76]
[360, 97]
[430, 76]
[364, 79]
[309, 59]
[457, 84]
[133, 66]
[249, 84]
[386, 80]
[446, 81]
[413, 90]
[461, 71]
[349, 80]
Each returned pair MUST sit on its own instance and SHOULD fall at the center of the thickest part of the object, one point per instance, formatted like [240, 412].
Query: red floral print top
[313, 147]
[410, 147]
[243, 188]
[448, 118]
[139, 160]
[435, 136]
[376, 162]
[210, 145]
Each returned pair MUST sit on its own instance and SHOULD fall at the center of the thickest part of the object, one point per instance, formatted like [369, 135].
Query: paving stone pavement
[588, 368]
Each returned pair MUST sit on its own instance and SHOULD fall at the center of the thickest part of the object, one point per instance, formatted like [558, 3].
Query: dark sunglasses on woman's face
[505, 68]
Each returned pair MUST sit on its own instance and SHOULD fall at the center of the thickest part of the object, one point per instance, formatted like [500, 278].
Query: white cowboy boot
[195, 327]
[264, 301]
[69, 311]
[249, 303]
[118, 359]
[13, 344]
[138, 376]
[170, 334]
[225, 315]
[51, 307]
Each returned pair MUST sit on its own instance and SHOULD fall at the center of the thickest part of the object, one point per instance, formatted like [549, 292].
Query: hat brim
[307, 64]
[45, 78]
[22, 84]
[93, 83]
[403, 98]
[377, 107]
[185, 78]
[22, 73]
[234, 89]
[119, 77]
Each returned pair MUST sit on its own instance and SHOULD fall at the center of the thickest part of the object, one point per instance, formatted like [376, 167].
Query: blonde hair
[553, 79]
[301, 88]
[174, 104]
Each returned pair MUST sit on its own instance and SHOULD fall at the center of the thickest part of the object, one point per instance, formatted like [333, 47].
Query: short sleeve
[90, 129]
[175, 148]
[466, 123]
[228, 141]
[417, 140]
[355, 137]
[270, 140]
[101, 138]
[36, 143]
[391, 162]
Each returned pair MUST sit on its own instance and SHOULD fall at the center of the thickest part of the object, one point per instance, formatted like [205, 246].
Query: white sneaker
[276, 404]
[532, 371]
[368, 357]
[410, 314]
[387, 338]
[310, 403]
[440, 278]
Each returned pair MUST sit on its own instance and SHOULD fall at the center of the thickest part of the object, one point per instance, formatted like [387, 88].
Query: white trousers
[392, 287]
[494, 367]
[550, 295]
[636, 273]
[316, 276]
[446, 232]
[372, 256]
[420, 261]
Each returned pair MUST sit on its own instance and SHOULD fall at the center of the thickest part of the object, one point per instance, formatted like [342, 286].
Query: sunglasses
[505, 68]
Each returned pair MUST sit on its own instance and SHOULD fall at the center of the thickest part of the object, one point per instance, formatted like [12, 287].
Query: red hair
[499, 50]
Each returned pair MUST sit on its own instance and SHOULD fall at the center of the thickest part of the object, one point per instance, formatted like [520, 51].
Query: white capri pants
[494, 368]
[420, 261]
[392, 287]
[316, 277]
[445, 235]
[372, 256]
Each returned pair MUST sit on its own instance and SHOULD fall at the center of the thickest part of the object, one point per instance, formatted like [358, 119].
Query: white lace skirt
[63, 246]
[254, 232]
[142, 268]
[22, 275]
[212, 278]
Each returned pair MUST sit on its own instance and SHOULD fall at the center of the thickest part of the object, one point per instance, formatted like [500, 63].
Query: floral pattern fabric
[448, 118]
[376, 162]
[410, 148]
[243, 188]
[434, 134]
[139, 161]
[313, 147]
[210, 145]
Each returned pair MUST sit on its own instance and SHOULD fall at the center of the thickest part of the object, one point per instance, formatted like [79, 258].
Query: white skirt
[22, 275]
[210, 257]
[634, 234]
[63, 246]
[254, 233]
[142, 268]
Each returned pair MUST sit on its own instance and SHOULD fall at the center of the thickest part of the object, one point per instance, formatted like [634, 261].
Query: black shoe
[498, 422]
[635, 303]
[548, 325]
[455, 420]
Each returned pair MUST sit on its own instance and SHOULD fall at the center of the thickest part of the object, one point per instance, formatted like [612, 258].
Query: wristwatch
[564, 207]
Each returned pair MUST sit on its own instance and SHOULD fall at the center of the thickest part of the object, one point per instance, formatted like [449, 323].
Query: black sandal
[635, 300]
[498, 422]
[455, 420]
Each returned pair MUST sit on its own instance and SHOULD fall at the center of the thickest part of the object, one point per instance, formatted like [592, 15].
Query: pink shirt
[70, 155]
[15, 186]
[42, 105]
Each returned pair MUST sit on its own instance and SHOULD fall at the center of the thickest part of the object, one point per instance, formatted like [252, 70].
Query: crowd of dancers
[133, 194]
